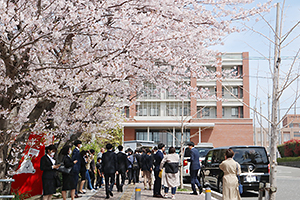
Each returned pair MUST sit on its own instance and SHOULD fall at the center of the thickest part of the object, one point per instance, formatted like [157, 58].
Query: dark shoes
[200, 190]
[81, 192]
[77, 196]
[158, 196]
[111, 194]
[194, 193]
[107, 197]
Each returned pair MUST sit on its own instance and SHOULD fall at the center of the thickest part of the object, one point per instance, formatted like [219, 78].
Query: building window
[297, 134]
[148, 109]
[205, 112]
[286, 137]
[125, 111]
[175, 108]
[291, 125]
[235, 91]
[150, 92]
[164, 136]
[235, 112]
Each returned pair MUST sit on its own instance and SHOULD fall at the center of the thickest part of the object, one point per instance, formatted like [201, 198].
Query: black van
[254, 166]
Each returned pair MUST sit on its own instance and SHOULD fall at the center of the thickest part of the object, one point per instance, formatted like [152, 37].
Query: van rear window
[250, 155]
[202, 151]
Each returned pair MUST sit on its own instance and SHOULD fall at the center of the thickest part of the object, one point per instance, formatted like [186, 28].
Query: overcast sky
[258, 47]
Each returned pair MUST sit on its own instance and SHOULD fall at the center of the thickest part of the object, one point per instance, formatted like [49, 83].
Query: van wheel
[220, 186]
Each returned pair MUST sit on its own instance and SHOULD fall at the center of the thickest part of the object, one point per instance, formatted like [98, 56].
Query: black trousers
[130, 175]
[109, 182]
[157, 183]
[122, 175]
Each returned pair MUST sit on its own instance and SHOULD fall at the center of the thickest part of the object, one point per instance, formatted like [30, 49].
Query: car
[203, 148]
[254, 161]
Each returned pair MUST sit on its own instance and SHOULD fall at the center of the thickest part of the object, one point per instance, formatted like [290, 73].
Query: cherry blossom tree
[69, 66]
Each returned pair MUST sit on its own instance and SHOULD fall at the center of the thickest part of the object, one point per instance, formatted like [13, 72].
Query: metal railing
[7, 196]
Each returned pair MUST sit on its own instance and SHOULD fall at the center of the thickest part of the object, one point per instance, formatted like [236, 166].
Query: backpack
[135, 164]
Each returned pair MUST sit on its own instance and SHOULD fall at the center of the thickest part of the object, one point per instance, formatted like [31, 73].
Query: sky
[258, 47]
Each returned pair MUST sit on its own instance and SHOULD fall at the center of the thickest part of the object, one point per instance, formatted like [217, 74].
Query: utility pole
[275, 98]
[261, 128]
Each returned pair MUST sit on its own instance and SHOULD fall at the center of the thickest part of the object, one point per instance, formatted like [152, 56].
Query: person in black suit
[122, 168]
[194, 168]
[48, 166]
[157, 160]
[110, 166]
[68, 179]
[76, 169]
[147, 165]
[136, 171]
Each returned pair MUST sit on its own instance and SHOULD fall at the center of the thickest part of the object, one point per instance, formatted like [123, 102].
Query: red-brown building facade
[222, 123]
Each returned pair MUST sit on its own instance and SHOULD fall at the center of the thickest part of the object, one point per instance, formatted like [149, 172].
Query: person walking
[136, 166]
[170, 163]
[92, 170]
[110, 166]
[130, 167]
[194, 168]
[157, 160]
[99, 173]
[49, 168]
[82, 171]
[76, 168]
[122, 168]
[147, 164]
[89, 158]
[230, 181]
[68, 179]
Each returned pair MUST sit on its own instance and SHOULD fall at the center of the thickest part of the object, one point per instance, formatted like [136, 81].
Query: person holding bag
[49, 178]
[170, 163]
[68, 178]
[230, 181]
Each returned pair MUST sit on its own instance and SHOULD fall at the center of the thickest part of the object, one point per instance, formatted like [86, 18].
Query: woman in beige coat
[170, 164]
[230, 181]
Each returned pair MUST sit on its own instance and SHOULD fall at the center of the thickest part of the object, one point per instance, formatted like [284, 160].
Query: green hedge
[288, 159]
[290, 148]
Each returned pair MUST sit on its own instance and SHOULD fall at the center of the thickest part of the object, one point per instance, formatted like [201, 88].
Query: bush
[288, 159]
[290, 148]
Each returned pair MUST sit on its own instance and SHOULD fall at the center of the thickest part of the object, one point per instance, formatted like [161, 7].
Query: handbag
[160, 173]
[239, 181]
[63, 169]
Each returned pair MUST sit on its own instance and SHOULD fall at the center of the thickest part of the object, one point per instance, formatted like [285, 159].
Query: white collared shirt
[52, 160]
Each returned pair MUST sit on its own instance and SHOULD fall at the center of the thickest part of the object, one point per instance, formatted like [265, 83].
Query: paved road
[288, 183]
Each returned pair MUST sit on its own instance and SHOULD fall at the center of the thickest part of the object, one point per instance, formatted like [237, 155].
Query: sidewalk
[129, 194]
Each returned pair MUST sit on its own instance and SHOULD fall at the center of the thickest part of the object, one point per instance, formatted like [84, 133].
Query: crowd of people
[114, 168]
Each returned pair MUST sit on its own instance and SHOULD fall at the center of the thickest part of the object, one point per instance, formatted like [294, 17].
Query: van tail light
[185, 162]
[269, 168]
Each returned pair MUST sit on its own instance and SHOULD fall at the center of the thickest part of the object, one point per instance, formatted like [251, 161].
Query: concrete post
[207, 193]
[261, 191]
[267, 191]
[137, 193]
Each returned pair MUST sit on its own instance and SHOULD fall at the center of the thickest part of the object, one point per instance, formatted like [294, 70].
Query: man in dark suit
[110, 166]
[138, 157]
[122, 168]
[76, 168]
[194, 168]
[157, 160]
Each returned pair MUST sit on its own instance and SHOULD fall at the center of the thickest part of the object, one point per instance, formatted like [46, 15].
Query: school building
[221, 122]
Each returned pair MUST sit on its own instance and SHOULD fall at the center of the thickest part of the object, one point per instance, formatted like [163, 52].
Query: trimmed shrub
[290, 148]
